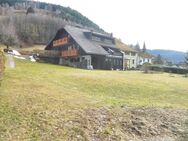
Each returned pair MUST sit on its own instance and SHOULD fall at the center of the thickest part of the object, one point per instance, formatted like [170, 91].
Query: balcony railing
[70, 53]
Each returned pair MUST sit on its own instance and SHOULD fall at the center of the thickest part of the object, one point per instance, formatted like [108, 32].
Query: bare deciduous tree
[8, 35]
[37, 29]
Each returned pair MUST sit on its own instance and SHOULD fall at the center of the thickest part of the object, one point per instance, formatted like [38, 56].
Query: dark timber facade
[86, 49]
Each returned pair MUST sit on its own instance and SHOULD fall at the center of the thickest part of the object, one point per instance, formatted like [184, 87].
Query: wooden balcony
[70, 53]
[60, 42]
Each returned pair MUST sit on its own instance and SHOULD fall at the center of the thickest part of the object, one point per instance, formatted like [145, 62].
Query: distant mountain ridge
[171, 55]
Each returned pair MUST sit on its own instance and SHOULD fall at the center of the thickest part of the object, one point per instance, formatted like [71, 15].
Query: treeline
[11, 2]
[31, 29]
[76, 17]
[65, 13]
[38, 27]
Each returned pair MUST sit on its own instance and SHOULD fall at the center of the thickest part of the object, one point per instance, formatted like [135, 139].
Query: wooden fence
[2, 65]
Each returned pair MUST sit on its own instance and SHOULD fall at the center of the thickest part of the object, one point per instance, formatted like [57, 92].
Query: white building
[130, 59]
[130, 55]
[144, 58]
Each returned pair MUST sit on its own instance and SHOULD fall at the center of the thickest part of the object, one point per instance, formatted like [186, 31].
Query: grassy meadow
[35, 97]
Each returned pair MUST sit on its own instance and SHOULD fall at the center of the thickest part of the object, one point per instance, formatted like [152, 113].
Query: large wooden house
[83, 48]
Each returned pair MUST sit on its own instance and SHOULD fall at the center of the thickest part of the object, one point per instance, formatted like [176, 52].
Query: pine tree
[8, 35]
[144, 48]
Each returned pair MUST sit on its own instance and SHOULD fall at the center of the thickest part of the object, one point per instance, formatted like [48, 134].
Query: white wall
[131, 60]
[142, 60]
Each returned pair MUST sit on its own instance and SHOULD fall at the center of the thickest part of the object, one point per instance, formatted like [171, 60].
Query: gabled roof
[89, 46]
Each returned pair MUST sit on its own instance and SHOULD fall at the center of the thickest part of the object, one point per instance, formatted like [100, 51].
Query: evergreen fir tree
[144, 48]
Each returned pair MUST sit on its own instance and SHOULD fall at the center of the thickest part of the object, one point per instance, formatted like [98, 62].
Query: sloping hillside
[65, 13]
[20, 25]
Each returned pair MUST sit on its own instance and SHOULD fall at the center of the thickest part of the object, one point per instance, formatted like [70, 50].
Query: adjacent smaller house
[144, 58]
[130, 55]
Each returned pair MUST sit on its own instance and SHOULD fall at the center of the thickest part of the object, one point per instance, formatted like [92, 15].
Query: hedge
[168, 69]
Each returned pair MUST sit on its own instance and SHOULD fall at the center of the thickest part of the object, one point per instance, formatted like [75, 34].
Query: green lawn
[35, 96]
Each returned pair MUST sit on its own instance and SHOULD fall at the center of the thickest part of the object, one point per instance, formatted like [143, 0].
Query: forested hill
[23, 21]
[65, 13]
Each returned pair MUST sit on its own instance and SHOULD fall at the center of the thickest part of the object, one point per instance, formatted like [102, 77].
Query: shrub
[145, 67]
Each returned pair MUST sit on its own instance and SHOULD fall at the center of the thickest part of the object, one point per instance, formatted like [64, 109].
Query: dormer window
[95, 38]
[110, 51]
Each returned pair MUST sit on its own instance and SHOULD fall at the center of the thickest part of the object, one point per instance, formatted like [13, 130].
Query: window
[71, 60]
[78, 59]
[73, 46]
[120, 61]
[133, 61]
[77, 47]
[69, 47]
[117, 62]
[114, 62]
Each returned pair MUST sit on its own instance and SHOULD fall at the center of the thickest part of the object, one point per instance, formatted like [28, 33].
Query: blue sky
[162, 24]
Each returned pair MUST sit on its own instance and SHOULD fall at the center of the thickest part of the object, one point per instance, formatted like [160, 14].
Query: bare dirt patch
[148, 124]
[98, 124]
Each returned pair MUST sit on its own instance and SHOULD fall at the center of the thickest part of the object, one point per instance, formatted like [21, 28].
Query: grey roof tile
[89, 46]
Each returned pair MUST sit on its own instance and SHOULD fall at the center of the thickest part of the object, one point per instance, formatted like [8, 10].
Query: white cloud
[161, 23]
